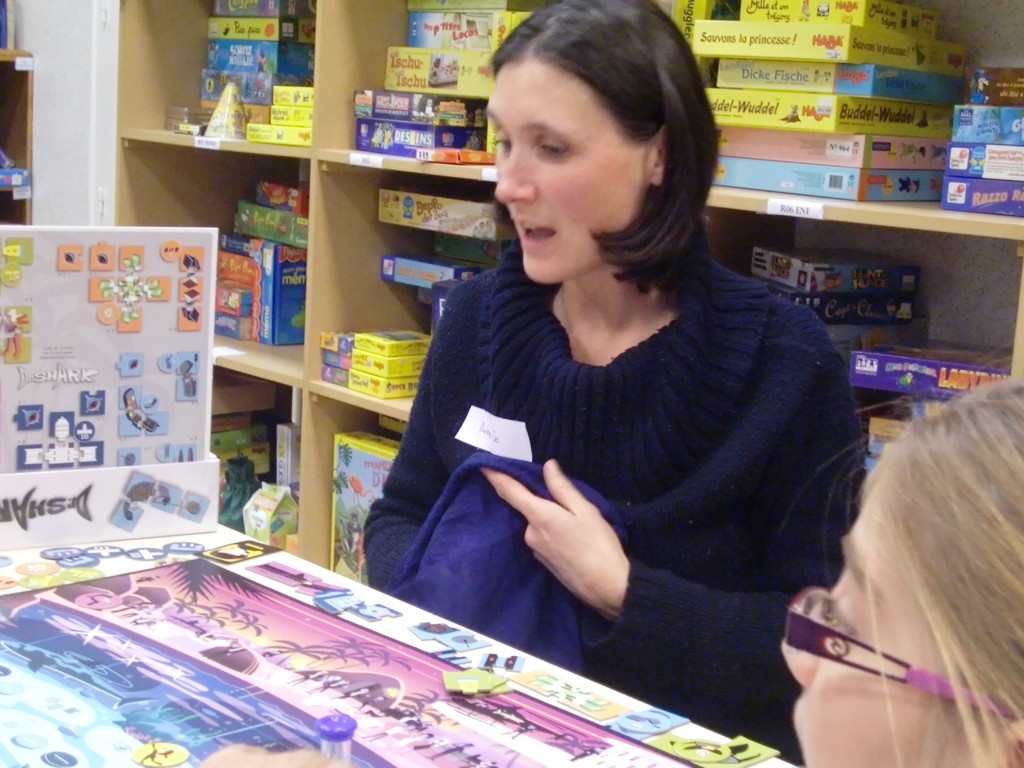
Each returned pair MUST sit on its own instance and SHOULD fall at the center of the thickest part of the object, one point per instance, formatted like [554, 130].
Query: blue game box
[1005, 198]
[829, 180]
[255, 56]
[984, 124]
[279, 302]
[929, 372]
[813, 270]
[404, 139]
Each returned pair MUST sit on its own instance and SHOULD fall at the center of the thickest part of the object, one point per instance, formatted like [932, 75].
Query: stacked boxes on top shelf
[685, 13]
[261, 267]
[985, 164]
[257, 46]
[845, 99]
[433, 103]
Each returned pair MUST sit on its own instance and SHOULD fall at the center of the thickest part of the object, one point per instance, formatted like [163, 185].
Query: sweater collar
[657, 406]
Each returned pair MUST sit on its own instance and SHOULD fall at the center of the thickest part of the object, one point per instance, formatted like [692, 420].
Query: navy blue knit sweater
[728, 440]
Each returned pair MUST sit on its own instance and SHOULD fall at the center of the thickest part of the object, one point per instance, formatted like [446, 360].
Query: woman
[932, 596]
[717, 420]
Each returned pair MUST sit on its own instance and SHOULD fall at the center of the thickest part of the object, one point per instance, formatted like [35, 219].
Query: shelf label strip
[366, 159]
[207, 142]
[21, 193]
[802, 209]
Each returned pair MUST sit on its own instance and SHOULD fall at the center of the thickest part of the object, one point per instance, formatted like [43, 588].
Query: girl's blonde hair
[952, 523]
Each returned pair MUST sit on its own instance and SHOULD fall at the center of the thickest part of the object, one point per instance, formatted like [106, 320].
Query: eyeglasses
[811, 627]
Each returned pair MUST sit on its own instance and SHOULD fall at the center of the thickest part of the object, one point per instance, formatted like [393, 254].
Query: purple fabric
[470, 565]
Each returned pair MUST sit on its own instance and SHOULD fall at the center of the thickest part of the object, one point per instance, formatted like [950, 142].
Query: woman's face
[848, 718]
[565, 169]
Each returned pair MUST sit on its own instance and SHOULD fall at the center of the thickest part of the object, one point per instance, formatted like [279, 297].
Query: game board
[105, 338]
[161, 667]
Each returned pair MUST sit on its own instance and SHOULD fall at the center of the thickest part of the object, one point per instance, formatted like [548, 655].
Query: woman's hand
[570, 538]
[253, 757]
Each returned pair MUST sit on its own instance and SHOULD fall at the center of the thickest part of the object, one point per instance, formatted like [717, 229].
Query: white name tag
[502, 437]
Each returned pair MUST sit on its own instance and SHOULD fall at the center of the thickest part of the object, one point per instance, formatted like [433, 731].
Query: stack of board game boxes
[258, 45]
[383, 363]
[261, 267]
[865, 299]
[916, 381]
[845, 99]
[467, 239]
[432, 106]
[686, 12]
[985, 161]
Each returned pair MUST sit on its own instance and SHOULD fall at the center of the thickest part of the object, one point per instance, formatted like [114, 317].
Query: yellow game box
[391, 343]
[438, 214]
[395, 367]
[826, 42]
[830, 112]
[300, 117]
[378, 386]
[292, 95]
[439, 70]
[881, 14]
[279, 134]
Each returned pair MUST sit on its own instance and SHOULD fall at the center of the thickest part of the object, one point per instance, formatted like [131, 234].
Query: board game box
[260, 56]
[826, 42]
[877, 184]
[425, 108]
[841, 149]
[439, 70]
[276, 273]
[476, 30]
[998, 86]
[105, 339]
[269, 28]
[1005, 198]
[263, 8]
[424, 271]
[469, 218]
[362, 461]
[473, 5]
[883, 14]
[407, 139]
[851, 307]
[842, 78]
[985, 161]
[986, 124]
[794, 110]
[814, 270]
[938, 371]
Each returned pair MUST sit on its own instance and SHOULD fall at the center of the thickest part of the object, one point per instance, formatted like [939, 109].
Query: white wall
[74, 44]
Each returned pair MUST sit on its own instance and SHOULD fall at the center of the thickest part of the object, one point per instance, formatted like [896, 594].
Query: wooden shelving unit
[166, 180]
[16, 68]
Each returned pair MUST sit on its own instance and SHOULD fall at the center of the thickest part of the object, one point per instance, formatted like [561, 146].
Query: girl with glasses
[916, 656]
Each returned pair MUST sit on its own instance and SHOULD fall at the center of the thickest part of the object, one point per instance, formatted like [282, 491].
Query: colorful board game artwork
[161, 667]
[105, 338]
